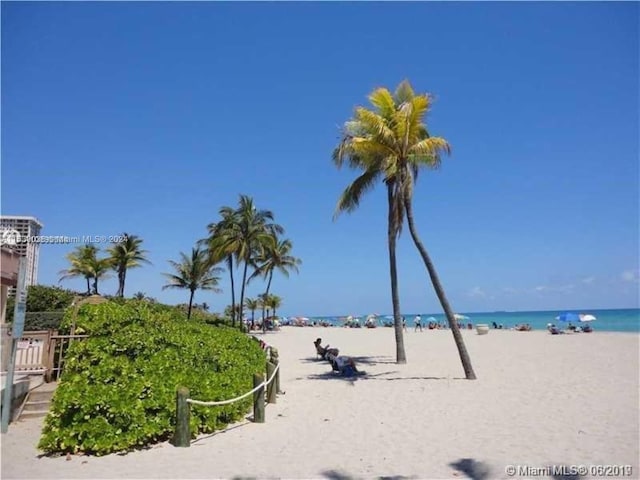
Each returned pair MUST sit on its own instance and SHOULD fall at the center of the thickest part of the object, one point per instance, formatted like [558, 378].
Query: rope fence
[227, 402]
[182, 436]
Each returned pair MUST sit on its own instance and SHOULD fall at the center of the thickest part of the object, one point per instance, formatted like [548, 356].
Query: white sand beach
[539, 400]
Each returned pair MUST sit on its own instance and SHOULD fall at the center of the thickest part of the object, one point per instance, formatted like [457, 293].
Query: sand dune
[539, 400]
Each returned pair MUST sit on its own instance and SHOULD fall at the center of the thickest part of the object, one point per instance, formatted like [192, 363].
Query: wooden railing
[43, 352]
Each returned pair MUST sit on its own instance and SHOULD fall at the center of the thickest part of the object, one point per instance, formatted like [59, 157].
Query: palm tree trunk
[95, 286]
[435, 280]
[88, 285]
[266, 294]
[233, 292]
[401, 356]
[244, 282]
[190, 303]
[121, 277]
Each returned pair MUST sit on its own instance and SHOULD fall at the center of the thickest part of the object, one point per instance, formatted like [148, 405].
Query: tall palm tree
[275, 255]
[357, 154]
[126, 254]
[252, 304]
[193, 273]
[98, 268]
[80, 260]
[248, 230]
[219, 251]
[392, 142]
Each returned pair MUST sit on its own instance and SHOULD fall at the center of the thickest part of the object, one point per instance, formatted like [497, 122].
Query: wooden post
[276, 361]
[51, 352]
[258, 399]
[271, 388]
[182, 436]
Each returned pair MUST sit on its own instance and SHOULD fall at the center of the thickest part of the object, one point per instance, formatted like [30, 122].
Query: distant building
[15, 232]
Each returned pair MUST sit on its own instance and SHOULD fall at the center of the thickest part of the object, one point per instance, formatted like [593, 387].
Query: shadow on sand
[469, 467]
[331, 375]
[362, 360]
[337, 475]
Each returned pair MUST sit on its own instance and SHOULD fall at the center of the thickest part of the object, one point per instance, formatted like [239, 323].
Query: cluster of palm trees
[246, 238]
[90, 262]
[267, 302]
[390, 142]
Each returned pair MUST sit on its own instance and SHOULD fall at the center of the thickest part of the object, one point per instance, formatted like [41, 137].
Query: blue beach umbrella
[568, 317]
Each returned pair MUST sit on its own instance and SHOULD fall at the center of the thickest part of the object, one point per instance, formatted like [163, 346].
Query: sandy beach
[539, 400]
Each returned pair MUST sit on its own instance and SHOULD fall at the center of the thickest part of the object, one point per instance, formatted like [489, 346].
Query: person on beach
[324, 351]
[404, 324]
[343, 364]
[418, 323]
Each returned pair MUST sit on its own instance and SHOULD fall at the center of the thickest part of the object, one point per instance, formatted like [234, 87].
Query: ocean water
[615, 320]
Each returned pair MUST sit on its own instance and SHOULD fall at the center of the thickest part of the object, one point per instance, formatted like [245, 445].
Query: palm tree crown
[127, 254]
[193, 273]
[85, 263]
[390, 142]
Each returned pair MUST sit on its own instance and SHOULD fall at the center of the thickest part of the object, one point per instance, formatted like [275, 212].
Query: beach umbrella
[431, 319]
[587, 318]
[457, 316]
[568, 317]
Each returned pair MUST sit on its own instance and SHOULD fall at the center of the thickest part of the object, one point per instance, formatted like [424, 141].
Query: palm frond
[404, 92]
[382, 99]
[350, 198]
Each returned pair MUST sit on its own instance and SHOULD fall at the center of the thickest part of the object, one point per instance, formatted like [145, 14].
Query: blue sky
[148, 117]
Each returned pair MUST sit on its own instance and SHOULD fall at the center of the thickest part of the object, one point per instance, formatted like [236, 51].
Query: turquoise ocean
[614, 320]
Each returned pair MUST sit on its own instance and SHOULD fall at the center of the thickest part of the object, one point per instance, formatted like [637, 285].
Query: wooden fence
[43, 352]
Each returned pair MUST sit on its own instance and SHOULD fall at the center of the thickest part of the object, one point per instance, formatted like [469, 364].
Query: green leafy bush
[118, 389]
[42, 320]
[42, 298]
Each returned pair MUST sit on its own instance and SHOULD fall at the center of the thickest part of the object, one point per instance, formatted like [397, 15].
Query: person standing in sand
[418, 323]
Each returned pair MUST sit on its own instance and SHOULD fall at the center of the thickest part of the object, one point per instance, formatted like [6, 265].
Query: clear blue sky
[148, 117]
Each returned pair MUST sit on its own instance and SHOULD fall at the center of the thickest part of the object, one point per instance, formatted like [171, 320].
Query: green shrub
[118, 389]
[43, 298]
[42, 320]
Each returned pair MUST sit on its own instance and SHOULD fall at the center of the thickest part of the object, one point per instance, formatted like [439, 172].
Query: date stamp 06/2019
[598, 471]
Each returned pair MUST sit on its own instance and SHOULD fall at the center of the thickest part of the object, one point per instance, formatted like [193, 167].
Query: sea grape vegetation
[118, 388]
